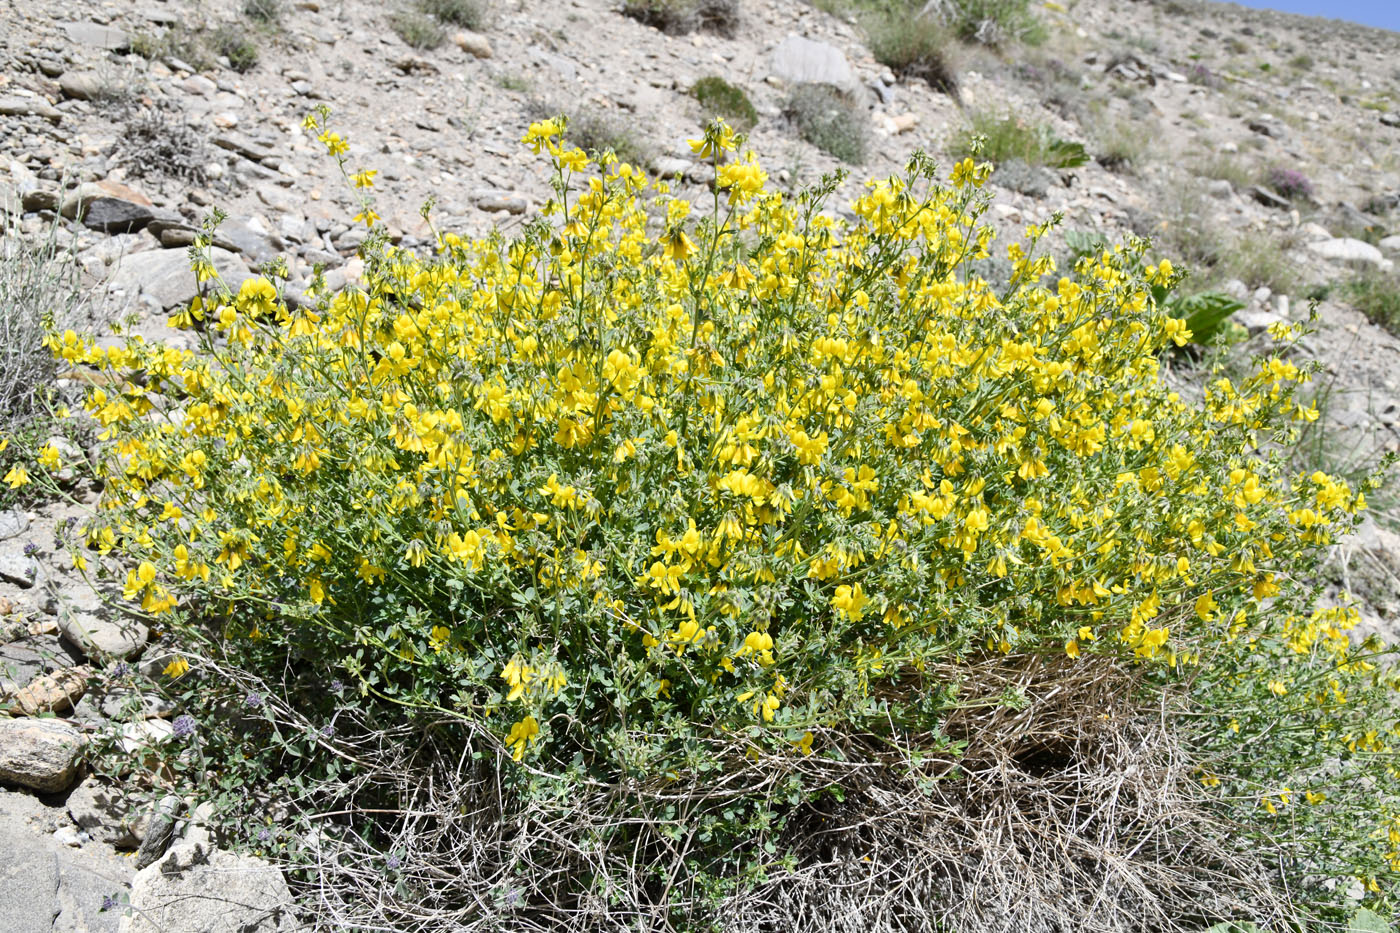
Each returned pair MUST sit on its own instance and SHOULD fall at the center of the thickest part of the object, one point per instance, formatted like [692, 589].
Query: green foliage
[235, 44]
[180, 42]
[265, 12]
[719, 98]
[598, 131]
[918, 47]
[417, 30]
[469, 14]
[713, 522]
[1006, 138]
[829, 121]
[992, 22]
[679, 17]
[1375, 294]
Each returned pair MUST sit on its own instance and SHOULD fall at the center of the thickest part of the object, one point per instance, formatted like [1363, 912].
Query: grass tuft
[417, 30]
[468, 14]
[919, 48]
[234, 43]
[719, 98]
[828, 121]
[1008, 138]
[679, 17]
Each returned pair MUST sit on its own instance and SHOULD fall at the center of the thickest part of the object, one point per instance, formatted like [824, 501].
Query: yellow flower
[522, 734]
[364, 178]
[850, 601]
[18, 476]
[176, 668]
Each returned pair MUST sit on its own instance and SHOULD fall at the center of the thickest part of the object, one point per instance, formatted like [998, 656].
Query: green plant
[509, 81]
[177, 42]
[990, 22]
[1006, 138]
[719, 98]
[1375, 294]
[417, 30]
[678, 17]
[469, 14]
[1259, 260]
[235, 44]
[267, 13]
[828, 120]
[636, 564]
[1222, 165]
[1122, 147]
[157, 142]
[598, 131]
[918, 47]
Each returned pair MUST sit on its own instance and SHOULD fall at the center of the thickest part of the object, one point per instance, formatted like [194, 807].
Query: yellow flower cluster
[727, 469]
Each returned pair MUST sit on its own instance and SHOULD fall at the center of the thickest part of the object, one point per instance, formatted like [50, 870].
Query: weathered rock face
[98, 631]
[53, 693]
[197, 888]
[41, 754]
[165, 275]
[1351, 252]
[798, 60]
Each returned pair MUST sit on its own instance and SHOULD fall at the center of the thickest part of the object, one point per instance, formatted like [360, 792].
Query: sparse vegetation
[468, 14]
[418, 30]
[918, 47]
[1289, 182]
[597, 131]
[510, 81]
[235, 45]
[678, 17]
[719, 98]
[156, 142]
[828, 121]
[1375, 294]
[1123, 147]
[178, 42]
[265, 12]
[1222, 165]
[1259, 260]
[1005, 138]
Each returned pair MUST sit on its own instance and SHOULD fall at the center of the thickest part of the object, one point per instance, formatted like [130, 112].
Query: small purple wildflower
[184, 726]
[1290, 183]
[392, 862]
[264, 835]
[254, 700]
[108, 903]
[121, 669]
[328, 731]
[337, 686]
[31, 549]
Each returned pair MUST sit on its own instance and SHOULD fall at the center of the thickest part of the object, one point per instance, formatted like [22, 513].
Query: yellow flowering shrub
[656, 474]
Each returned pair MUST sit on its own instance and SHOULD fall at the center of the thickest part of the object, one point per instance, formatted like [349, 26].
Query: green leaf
[1061, 153]
[1205, 313]
[1367, 921]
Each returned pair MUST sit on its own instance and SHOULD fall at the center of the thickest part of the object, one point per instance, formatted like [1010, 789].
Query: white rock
[195, 887]
[41, 754]
[1390, 244]
[797, 60]
[1314, 231]
[1349, 252]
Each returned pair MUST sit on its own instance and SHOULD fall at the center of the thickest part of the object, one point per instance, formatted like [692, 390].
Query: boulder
[108, 206]
[103, 813]
[81, 85]
[87, 623]
[798, 60]
[1349, 252]
[1390, 244]
[97, 36]
[473, 44]
[41, 754]
[165, 275]
[196, 887]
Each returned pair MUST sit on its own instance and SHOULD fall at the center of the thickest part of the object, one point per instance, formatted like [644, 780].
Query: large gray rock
[108, 206]
[97, 36]
[1350, 252]
[81, 85]
[41, 754]
[103, 813]
[798, 60]
[199, 889]
[96, 629]
[250, 236]
[166, 276]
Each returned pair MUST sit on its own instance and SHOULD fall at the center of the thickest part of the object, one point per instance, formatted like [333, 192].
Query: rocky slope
[1263, 149]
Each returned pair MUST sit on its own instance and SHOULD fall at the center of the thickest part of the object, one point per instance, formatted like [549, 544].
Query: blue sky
[1384, 13]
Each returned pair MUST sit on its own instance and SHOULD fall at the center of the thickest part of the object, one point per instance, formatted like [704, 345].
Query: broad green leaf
[1367, 921]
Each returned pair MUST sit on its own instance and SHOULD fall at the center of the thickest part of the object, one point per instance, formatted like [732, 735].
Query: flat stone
[41, 754]
[248, 236]
[29, 904]
[1349, 252]
[53, 693]
[196, 887]
[1390, 244]
[1269, 198]
[108, 206]
[28, 106]
[166, 276]
[17, 567]
[97, 36]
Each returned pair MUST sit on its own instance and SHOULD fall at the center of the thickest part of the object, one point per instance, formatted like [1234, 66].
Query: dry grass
[1070, 807]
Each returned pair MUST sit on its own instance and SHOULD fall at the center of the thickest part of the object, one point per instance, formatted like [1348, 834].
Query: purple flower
[31, 549]
[264, 835]
[392, 862]
[1290, 183]
[328, 731]
[254, 700]
[108, 902]
[337, 686]
[184, 726]
[120, 669]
